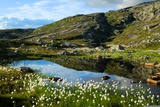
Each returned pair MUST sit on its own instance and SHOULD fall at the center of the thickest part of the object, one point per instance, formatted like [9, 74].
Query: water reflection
[49, 68]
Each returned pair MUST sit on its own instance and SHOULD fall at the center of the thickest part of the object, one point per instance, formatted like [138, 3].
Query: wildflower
[93, 101]
[122, 96]
[58, 102]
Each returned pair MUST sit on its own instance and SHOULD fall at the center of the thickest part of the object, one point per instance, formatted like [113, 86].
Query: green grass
[129, 54]
[35, 92]
[135, 34]
[18, 89]
[33, 51]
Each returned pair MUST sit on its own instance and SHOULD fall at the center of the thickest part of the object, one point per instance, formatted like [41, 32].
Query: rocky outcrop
[91, 28]
[40, 42]
[147, 11]
[99, 31]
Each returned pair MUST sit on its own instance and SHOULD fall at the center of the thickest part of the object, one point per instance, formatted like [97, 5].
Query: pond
[52, 69]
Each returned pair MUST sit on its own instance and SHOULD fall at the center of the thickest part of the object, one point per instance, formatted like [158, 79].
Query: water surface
[52, 69]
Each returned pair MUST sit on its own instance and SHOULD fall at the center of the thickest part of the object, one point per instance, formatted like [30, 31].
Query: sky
[36, 13]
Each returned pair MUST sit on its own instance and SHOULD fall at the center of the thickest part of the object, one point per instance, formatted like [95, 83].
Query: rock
[116, 47]
[148, 12]
[75, 52]
[100, 48]
[55, 79]
[69, 44]
[26, 70]
[40, 42]
[63, 53]
[105, 77]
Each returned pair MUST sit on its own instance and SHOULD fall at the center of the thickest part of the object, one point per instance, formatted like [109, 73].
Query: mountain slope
[136, 26]
[14, 33]
[91, 28]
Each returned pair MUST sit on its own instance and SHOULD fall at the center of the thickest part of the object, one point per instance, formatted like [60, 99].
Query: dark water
[49, 68]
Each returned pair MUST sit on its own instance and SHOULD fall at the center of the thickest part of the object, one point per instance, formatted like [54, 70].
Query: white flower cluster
[86, 93]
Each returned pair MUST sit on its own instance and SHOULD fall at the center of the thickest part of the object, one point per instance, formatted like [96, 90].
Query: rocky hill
[137, 26]
[91, 28]
[14, 33]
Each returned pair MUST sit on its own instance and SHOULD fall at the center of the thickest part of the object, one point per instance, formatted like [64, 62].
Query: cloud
[47, 9]
[12, 22]
[102, 3]
[113, 3]
[127, 3]
[35, 10]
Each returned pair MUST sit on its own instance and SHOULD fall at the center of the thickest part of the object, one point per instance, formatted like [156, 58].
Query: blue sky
[36, 13]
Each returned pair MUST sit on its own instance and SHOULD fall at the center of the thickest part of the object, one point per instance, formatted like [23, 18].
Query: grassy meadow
[19, 89]
[34, 90]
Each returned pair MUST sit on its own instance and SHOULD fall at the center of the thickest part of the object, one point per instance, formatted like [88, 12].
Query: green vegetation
[14, 33]
[131, 27]
[140, 36]
[117, 17]
[79, 22]
[18, 89]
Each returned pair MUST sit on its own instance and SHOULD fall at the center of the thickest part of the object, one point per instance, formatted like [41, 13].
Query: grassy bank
[30, 90]
[33, 90]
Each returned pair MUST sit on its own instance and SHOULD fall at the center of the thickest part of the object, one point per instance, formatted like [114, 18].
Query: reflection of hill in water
[50, 68]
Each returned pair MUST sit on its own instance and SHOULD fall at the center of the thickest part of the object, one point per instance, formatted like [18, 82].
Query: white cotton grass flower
[122, 96]
[64, 91]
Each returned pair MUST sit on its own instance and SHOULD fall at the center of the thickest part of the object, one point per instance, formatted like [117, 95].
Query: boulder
[55, 79]
[105, 77]
[40, 42]
[116, 47]
[69, 44]
[26, 70]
